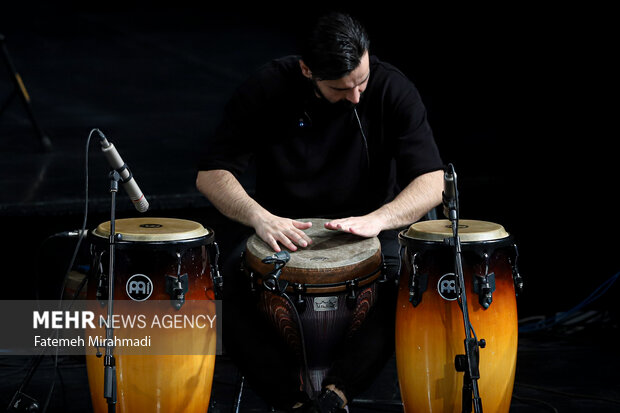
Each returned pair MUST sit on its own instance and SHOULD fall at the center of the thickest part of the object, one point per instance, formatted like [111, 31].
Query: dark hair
[334, 46]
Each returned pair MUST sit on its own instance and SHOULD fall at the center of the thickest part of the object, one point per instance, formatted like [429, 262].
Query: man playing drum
[335, 133]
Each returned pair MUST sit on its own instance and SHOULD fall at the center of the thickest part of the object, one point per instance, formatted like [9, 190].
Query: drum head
[153, 230]
[333, 258]
[329, 249]
[469, 231]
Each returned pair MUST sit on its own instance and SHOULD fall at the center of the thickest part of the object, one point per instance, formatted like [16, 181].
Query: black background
[516, 95]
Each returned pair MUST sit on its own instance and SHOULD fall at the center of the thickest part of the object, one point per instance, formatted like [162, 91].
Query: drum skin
[157, 383]
[430, 335]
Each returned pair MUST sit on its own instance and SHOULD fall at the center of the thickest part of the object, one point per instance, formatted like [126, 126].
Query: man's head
[335, 57]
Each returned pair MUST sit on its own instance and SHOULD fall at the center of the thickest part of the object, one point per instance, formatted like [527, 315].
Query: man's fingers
[284, 240]
[302, 225]
[271, 241]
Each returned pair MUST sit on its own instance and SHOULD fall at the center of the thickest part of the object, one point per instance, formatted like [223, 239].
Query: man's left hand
[364, 226]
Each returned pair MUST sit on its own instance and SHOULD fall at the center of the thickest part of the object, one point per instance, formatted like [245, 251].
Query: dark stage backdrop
[515, 95]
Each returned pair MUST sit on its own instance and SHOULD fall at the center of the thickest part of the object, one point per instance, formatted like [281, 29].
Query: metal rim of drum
[153, 232]
[472, 233]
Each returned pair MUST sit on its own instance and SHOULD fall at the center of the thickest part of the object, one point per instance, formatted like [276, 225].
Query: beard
[340, 106]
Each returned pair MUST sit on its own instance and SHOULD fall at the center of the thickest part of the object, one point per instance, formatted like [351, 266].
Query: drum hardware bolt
[252, 277]
[218, 280]
[482, 343]
[177, 285]
[518, 280]
[352, 296]
[102, 289]
[484, 285]
[417, 282]
[300, 303]
[384, 271]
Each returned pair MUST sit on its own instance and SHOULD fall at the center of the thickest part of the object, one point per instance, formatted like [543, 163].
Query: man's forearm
[225, 192]
[412, 203]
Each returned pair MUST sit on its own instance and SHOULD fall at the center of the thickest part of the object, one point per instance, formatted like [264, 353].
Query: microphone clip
[272, 281]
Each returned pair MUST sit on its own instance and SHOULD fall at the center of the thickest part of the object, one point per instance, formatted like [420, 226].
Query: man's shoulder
[386, 71]
[282, 67]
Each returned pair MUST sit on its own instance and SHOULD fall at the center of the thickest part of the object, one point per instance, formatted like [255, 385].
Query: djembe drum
[321, 295]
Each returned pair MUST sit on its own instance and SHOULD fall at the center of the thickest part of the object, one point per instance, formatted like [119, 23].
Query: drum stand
[467, 363]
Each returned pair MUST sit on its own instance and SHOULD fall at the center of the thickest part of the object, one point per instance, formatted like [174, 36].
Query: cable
[537, 401]
[301, 339]
[570, 395]
[81, 235]
[363, 136]
[545, 323]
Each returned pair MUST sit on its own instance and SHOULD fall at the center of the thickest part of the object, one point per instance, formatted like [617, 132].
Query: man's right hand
[228, 196]
[274, 229]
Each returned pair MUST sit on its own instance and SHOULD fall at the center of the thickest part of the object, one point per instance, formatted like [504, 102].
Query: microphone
[129, 183]
[450, 193]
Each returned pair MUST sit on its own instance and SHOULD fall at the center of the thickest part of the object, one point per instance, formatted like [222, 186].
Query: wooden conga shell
[171, 382]
[431, 334]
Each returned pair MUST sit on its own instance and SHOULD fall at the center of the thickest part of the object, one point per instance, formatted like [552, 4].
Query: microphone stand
[109, 362]
[467, 363]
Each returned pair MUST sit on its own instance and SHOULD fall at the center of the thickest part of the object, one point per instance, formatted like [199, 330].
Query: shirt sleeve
[413, 145]
[232, 145]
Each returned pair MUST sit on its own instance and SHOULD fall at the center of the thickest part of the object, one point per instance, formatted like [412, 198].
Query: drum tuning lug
[516, 277]
[176, 287]
[218, 280]
[482, 343]
[418, 282]
[300, 303]
[252, 280]
[484, 285]
[352, 295]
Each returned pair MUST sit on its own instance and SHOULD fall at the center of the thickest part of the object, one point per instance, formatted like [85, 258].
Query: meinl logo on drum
[139, 287]
[446, 286]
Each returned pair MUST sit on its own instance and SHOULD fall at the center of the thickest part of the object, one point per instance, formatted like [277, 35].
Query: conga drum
[157, 260]
[322, 296]
[430, 330]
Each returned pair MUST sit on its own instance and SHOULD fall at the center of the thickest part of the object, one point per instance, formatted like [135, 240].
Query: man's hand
[420, 196]
[366, 226]
[226, 193]
[288, 232]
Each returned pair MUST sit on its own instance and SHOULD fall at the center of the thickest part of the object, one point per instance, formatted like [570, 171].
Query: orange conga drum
[430, 331]
[323, 294]
[157, 260]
